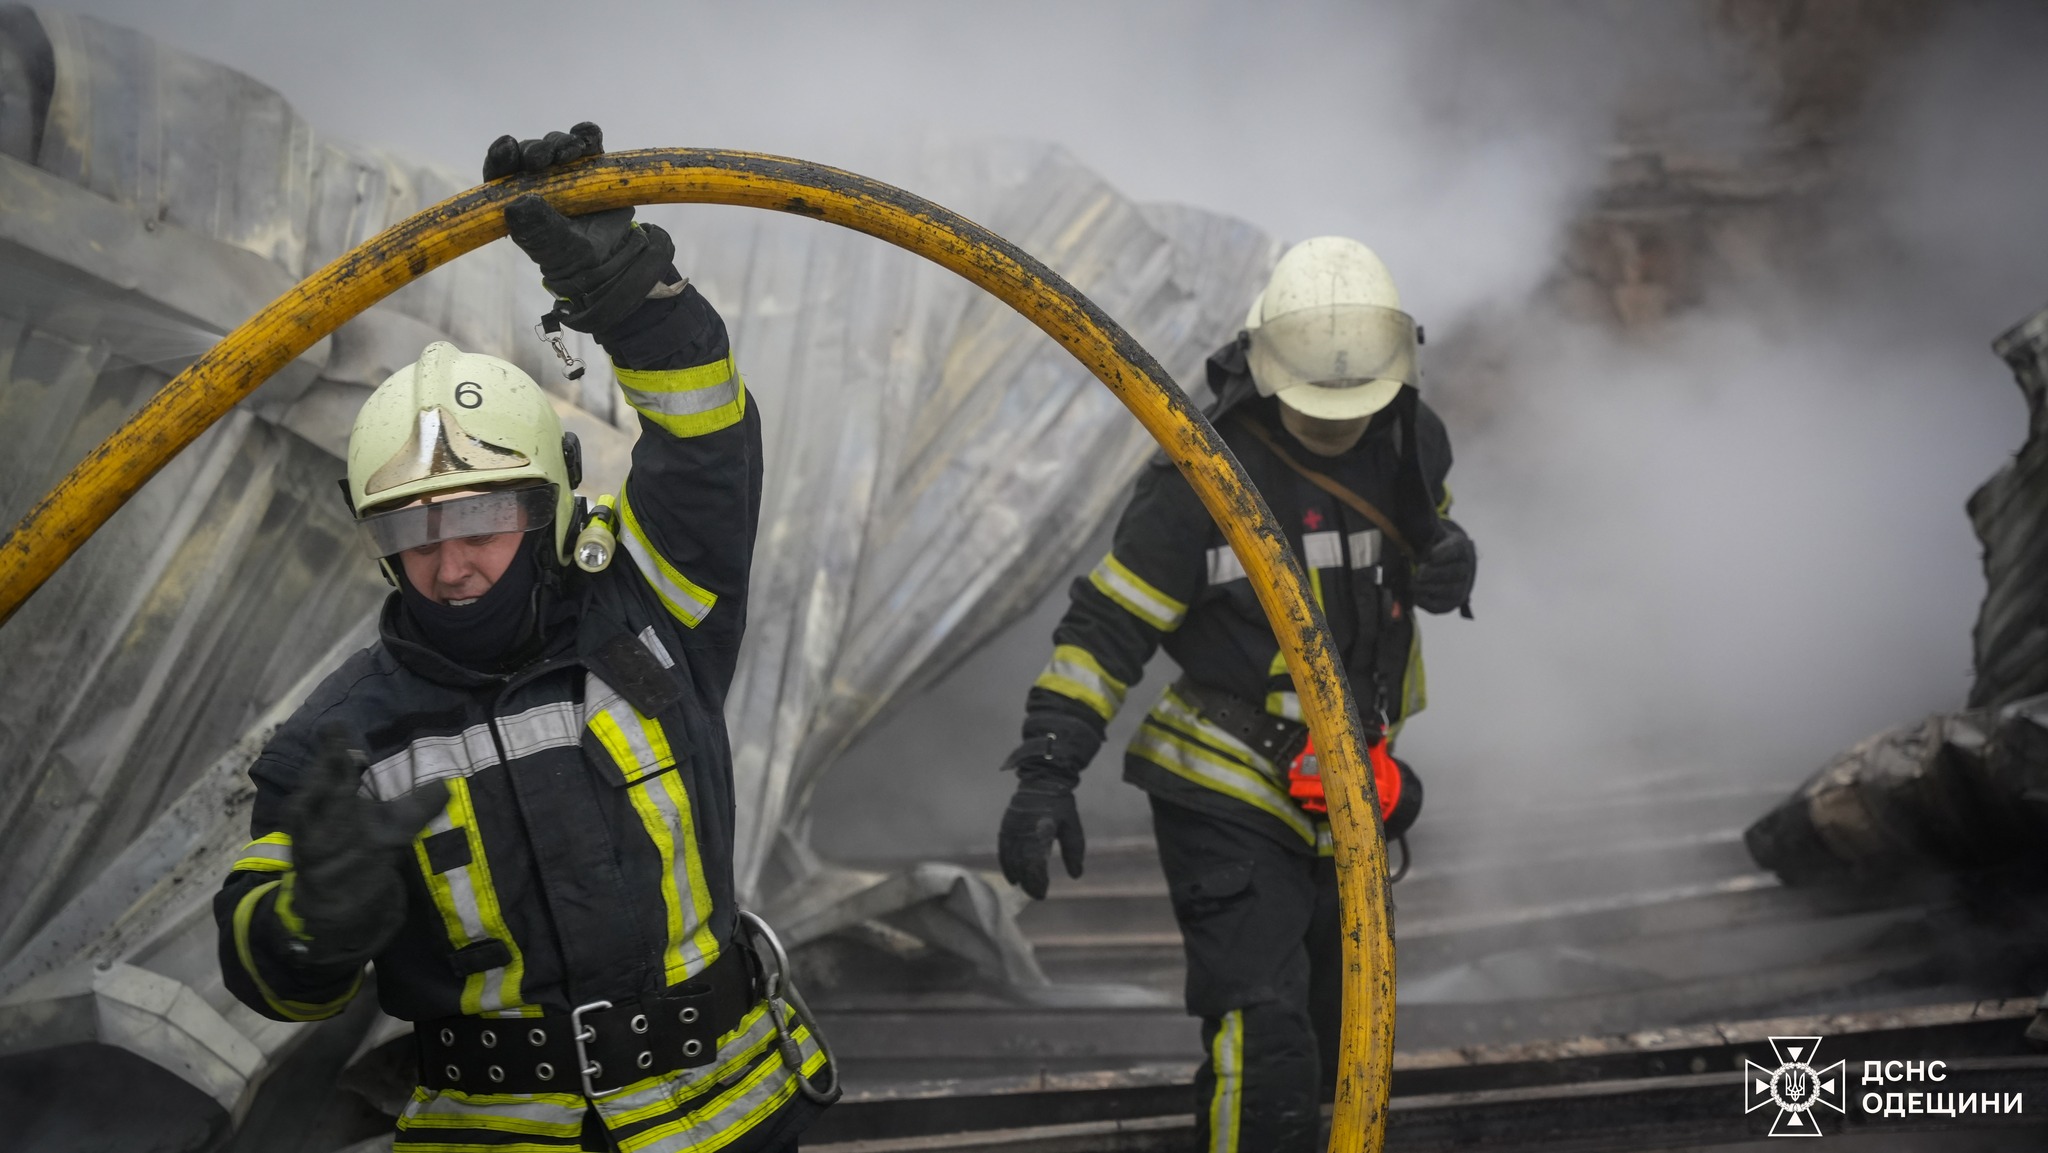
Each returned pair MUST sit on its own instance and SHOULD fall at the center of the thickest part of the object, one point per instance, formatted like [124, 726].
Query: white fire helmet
[1328, 336]
[458, 444]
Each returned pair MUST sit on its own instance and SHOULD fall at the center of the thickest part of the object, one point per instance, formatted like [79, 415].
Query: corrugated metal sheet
[934, 463]
[2010, 514]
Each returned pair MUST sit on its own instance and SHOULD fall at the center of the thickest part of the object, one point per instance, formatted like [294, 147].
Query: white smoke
[1733, 545]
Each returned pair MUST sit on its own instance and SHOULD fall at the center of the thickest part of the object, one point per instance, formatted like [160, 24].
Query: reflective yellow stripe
[290, 1010]
[1136, 597]
[1284, 705]
[1226, 1060]
[538, 1115]
[637, 744]
[468, 904]
[1277, 667]
[407, 1145]
[1414, 682]
[1204, 767]
[1176, 714]
[1443, 507]
[269, 853]
[286, 915]
[687, 401]
[733, 1112]
[664, 809]
[652, 1097]
[1326, 842]
[685, 599]
[1074, 672]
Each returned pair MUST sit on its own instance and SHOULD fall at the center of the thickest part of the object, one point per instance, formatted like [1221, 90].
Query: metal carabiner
[782, 997]
[549, 330]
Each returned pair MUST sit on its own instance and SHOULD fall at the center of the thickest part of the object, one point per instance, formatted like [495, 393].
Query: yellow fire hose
[323, 302]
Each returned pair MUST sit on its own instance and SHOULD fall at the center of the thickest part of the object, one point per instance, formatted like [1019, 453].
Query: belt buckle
[584, 1034]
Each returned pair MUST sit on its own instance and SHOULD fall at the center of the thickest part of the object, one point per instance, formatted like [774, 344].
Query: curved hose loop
[55, 527]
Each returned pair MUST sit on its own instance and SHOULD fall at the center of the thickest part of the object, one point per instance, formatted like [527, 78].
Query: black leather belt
[596, 1049]
[1275, 738]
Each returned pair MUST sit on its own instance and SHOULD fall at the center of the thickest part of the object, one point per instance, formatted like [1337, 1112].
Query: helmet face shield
[1333, 346]
[472, 514]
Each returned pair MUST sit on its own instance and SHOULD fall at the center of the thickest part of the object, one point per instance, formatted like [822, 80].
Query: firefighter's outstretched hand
[1042, 811]
[346, 895]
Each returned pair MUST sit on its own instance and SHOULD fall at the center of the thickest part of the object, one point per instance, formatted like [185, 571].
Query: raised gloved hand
[601, 265]
[509, 156]
[1048, 764]
[1443, 577]
[346, 898]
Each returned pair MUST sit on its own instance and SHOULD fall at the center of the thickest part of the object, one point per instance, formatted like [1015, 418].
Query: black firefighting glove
[1443, 577]
[599, 266]
[1048, 766]
[346, 895]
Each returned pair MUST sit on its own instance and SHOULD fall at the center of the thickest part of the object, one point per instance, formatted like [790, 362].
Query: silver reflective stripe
[431, 759]
[1075, 673]
[688, 938]
[549, 726]
[601, 698]
[1177, 714]
[1365, 548]
[549, 1114]
[759, 1093]
[689, 402]
[1143, 601]
[647, 1098]
[270, 853]
[460, 889]
[1224, 566]
[1186, 758]
[542, 727]
[653, 644]
[1322, 550]
[682, 597]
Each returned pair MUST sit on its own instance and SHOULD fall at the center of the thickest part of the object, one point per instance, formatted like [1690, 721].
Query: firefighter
[1317, 398]
[518, 802]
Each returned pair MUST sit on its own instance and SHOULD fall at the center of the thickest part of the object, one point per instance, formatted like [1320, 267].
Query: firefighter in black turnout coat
[1317, 400]
[518, 802]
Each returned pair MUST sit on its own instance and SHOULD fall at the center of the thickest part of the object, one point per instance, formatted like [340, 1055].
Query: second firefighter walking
[1318, 398]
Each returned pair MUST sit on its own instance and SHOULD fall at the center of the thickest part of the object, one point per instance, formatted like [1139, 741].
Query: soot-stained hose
[72, 511]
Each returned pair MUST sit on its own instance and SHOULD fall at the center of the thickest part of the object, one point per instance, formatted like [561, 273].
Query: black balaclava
[488, 634]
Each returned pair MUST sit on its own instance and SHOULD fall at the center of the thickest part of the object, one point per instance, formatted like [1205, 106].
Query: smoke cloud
[1731, 544]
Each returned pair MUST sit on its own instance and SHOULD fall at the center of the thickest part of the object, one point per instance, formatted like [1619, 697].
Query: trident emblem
[1795, 1087]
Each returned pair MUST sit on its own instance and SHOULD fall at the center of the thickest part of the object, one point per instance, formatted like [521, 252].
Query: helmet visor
[1335, 346]
[474, 514]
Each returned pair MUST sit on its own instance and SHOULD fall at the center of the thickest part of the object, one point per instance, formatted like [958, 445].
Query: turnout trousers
[1259, 921]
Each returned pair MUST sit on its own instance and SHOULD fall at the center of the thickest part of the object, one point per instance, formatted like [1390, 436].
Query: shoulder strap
[1358, 504]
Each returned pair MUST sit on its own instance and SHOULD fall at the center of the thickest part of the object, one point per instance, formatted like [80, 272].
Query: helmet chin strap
[486, 633]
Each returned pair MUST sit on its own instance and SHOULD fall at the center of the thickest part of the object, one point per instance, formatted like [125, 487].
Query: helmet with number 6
[458, 444]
